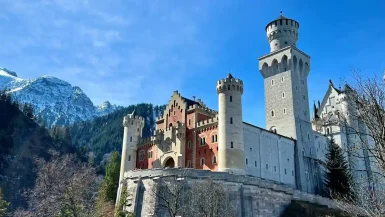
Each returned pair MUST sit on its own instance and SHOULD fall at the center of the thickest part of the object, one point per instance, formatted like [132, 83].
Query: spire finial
[280, 13]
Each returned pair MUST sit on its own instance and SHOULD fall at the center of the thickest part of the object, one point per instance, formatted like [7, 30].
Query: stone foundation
[253, 197]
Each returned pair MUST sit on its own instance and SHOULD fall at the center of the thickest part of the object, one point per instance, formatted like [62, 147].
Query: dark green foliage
[104, 135]
[338, 180]
[3, 204]
[21, 140]
[111, 180]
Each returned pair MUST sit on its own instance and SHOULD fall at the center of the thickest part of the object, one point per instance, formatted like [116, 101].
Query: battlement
[131, 119]
[157, 132]
[230, 84]
[207, 122]
[191, 107]
[145, 140]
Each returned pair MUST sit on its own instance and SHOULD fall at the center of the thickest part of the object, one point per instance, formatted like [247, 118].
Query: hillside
[21, 140]
[54, 101]
[101, 136]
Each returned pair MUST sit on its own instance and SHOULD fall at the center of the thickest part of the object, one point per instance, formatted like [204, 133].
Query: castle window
[129, 157]
[280, 22]
[272, 113]
[255, 163]
[251, 149]
[189, 122]
[285, 172]
[303, 97]
[286, 22]
[213, 138]
[292, 173]
[188, 164]
[303, 152]
[284, 111]
[130, 138]
[132, 122]
[231, 120]
[275, 23]
[283, 95]
[203, 141]
[247, 161]
[282, 79]
[327, 131]
[174, 112]
[216, 138]
[141, 155]
[228, 87]
[202, 161]
[189, 144]
[308, 136]
[296, 87]
[231, 145]
[231, 98]
[275, 169]
[288, 160]
[267, 166]
[285, 42]
[272, 82]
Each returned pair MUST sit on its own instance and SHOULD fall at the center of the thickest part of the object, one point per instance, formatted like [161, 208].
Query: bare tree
[366, 98]
[210, 199]
[368, 94]
[183, 195]
[366, 203]
[64, 186]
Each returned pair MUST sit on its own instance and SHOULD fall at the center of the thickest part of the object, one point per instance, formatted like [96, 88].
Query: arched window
[202, 161]
[130, 138]
[231, 145]
[272, 113]
[231, 120]
[283, 94]
[327, 131]
[247, 161]
[231, 98]
[214, 159]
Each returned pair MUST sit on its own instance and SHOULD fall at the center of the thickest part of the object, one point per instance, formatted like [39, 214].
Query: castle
[289, 150]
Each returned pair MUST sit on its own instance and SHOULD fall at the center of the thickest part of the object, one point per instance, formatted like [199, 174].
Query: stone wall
[252, 196]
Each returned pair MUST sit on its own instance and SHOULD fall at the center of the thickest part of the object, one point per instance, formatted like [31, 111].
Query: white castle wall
[268, 155]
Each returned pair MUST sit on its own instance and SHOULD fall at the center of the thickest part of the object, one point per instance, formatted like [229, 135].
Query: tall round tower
[133, 126]
[282, 32]
[231, 157]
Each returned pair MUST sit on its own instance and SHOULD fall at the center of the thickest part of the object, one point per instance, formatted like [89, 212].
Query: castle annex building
[289, 150]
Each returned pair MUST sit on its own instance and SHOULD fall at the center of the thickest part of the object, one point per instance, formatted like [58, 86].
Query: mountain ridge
[54, 101]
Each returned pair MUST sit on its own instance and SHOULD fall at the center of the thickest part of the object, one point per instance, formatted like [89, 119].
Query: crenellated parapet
[202, 109]
[207, 122]
[132, 120]
[230, 84]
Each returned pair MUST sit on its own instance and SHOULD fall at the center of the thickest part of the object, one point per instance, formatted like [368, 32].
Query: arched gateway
[170, 163]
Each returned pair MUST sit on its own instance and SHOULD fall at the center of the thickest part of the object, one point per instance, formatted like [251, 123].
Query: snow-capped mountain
[56, 101]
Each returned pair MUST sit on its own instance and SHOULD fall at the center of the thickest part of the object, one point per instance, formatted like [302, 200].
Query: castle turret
[133, 126]
[231, 157]
[282, 32]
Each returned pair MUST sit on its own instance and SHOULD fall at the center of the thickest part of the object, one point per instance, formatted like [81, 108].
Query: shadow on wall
[305, 209]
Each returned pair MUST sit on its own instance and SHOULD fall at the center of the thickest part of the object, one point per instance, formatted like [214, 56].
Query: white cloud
[122, 51]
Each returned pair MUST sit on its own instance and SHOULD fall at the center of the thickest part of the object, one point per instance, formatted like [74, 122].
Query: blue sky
[129, 51]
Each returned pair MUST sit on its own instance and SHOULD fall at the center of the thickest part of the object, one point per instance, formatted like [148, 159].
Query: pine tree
[3, 204]
[111, 181]
[338, 180]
